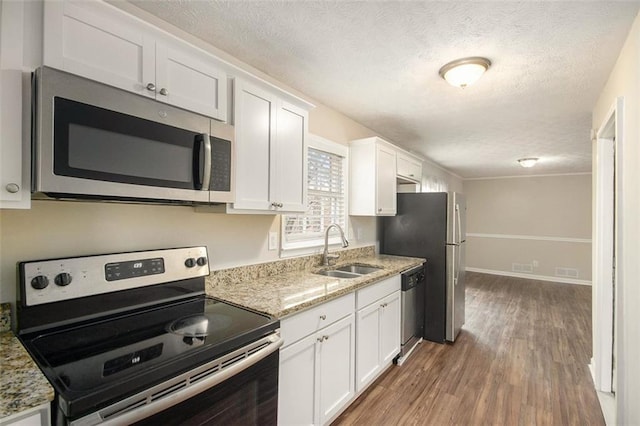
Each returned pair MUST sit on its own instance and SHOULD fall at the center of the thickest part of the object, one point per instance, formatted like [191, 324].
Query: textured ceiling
[378, 61]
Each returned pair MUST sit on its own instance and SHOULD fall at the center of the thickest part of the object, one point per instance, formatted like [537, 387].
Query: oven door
[240, 388]
[100, 142]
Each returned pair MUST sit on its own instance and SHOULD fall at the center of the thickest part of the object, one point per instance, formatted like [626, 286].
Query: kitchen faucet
[326, 256]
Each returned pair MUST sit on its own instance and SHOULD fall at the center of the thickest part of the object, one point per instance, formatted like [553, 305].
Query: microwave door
[94, 141]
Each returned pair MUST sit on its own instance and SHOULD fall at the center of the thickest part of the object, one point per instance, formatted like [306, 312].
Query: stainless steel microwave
[98, 142]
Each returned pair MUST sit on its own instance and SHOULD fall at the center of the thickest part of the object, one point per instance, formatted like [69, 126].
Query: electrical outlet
[273, 241]
[535, 263]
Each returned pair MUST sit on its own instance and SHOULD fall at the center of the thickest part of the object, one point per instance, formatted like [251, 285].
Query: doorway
[606, 248]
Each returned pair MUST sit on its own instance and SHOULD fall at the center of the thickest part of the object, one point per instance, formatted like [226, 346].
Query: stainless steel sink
[349, 271]
[359, 269]
[338, 274]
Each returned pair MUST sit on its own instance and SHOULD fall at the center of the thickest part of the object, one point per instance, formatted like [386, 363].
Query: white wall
[537, 223]
[624, 80]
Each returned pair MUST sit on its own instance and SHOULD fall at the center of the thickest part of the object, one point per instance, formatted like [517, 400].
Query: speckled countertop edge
[22, 384]
[5, 317]
[285, 294]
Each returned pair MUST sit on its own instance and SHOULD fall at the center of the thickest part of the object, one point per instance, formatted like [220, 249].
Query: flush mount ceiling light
[528, 162]
[464, 72]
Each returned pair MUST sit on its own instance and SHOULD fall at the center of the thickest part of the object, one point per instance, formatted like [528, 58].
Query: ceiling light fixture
[464, 72]
[528, 162]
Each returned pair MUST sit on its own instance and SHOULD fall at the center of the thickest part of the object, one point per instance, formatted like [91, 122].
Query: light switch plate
[273, 241]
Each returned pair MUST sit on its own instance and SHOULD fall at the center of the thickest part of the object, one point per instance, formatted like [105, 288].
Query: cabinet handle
[320, 339]
[280, 205]
[384, 305]
[276, 205]
[323, 317]
[151, 87]
[325, 337]
[379, 210]
[12, 188]
[164, 92]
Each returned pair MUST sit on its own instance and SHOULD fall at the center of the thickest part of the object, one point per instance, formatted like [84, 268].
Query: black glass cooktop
[89, 363]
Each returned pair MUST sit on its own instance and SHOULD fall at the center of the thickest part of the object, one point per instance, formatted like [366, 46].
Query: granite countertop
[288, 293]
[22, 384]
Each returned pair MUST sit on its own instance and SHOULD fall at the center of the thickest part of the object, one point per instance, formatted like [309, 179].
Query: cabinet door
[385, 181]
[255, 133]
[15, 191]
[367, 345]
[186, 79]
[390, 328]
[289, 169]
[93, 40]
[409, 168]
[297, 383]
[336, 349]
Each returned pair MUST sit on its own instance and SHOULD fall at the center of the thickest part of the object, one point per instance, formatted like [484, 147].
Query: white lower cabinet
[36, 416]
[317, 375]
[333, 351]
[378, 330]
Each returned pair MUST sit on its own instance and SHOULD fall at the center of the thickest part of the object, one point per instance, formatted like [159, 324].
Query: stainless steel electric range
[131, 338]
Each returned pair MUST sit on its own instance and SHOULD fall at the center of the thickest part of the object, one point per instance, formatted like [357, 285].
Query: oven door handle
[191, 390]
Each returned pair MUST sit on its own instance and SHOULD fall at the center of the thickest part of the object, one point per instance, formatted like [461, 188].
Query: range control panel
[133, 268]
[54, 280]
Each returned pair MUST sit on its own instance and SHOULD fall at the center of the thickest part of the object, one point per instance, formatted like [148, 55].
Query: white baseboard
[529, 276]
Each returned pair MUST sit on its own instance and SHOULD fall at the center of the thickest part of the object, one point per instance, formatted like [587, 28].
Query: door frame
[607, 247]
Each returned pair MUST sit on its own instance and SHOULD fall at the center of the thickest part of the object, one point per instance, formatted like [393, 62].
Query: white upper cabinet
[409, 167]
[15, 185]
[372, 178]
[97, 41]
[188, 79]
[271, 150]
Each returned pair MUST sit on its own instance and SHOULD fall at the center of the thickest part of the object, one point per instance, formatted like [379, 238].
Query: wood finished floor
[520, 359]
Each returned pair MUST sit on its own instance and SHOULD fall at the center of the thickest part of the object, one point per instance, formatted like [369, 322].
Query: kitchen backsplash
[238, 274]
[5, 317]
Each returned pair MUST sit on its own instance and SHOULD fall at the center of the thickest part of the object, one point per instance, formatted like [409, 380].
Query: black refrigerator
[432, 225]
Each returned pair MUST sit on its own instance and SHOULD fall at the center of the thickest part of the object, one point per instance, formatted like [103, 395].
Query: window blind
[326, 198]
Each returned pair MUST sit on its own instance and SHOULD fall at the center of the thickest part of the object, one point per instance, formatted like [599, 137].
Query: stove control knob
[190, 262]
[63, 279]
[39, 282]
[202, 261]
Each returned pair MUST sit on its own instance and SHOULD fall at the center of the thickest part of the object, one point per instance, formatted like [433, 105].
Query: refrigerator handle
[459, 225]
[459, 241]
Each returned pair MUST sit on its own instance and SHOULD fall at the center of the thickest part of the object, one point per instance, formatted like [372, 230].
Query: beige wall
[624, 81]
[543, 221]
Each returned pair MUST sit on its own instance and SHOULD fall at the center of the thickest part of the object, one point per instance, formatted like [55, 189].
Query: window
[326, 196]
